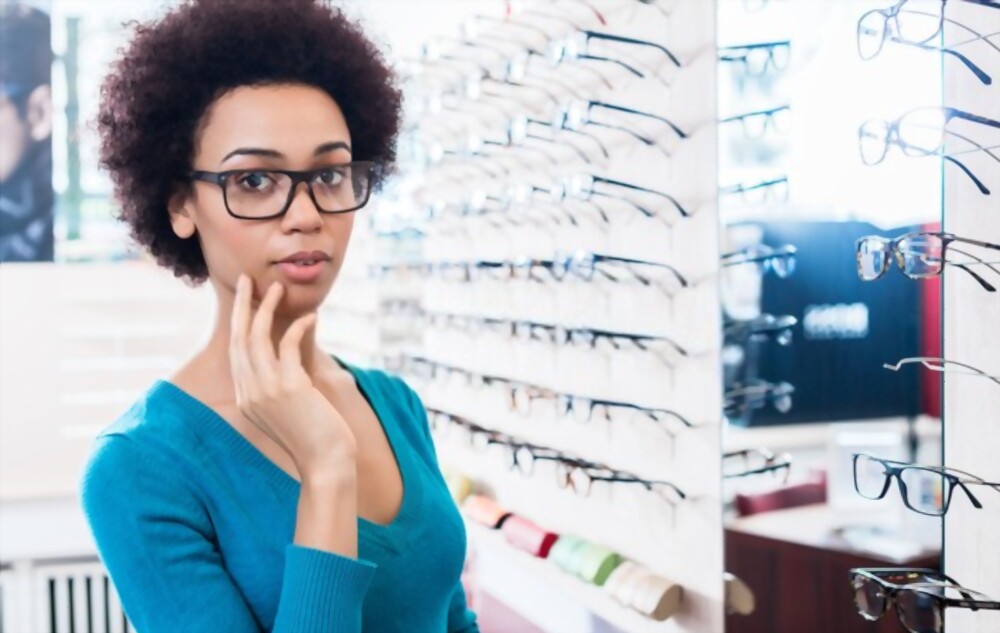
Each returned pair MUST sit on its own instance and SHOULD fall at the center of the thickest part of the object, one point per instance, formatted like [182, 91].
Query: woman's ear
[178, 206]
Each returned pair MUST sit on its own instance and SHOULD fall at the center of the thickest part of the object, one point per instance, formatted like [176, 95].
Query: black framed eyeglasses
[920, 596]
[763, 327]
[756, 123]
[262, 194]
[919, 255]
[758, 58]
[779, 260]
[755, 461]
[575, 47]
[925, 489]
[755, 395]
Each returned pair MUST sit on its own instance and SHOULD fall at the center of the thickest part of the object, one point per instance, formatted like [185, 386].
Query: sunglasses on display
[943, 365]
[925, 489]
[920, 255]
[920, 596]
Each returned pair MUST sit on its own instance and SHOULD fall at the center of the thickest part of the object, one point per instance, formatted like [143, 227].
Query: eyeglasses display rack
[971, 318]
[559, 168]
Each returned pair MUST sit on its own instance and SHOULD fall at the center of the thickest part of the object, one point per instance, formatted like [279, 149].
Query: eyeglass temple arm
[968, 116]
[979, 36]
[979, 184]
[632, 69]
[677, 205]
[976, 70]
[970, 141]
[649, 115]
[770, 112]
[924, 360]
[982, 282]
[629, 40]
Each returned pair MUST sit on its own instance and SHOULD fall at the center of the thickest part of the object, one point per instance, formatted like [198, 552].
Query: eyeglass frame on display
[770, 120]
[892, 136]
[891, 589]
[926, 362]
[890, 247]
[894, 469]
[771, 60]
[761, 327]
[762, 392]
[891, 16]
[772, 463]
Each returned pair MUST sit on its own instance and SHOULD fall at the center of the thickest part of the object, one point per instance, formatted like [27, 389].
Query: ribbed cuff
[322, 592]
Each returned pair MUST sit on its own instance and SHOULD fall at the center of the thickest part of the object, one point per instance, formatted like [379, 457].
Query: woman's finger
[289, 347]
[239, 326]
[261, 345]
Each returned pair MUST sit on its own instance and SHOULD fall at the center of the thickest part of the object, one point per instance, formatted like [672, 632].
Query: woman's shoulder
[139, 459]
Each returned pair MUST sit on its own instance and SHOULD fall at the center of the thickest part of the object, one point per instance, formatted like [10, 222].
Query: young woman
[265, 486]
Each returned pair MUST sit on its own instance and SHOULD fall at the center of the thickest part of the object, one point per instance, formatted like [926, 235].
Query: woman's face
[294, 127]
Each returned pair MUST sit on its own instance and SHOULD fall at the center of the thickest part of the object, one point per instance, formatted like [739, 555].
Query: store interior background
[128, 323]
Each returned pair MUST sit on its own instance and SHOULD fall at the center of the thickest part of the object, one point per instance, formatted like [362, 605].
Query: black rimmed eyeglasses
[756, 123]
[262, 194]
[925, 489]
[755, 461]
[757, 59]
[920, 596]
[920, 255]
[576, 47]
[742, 398]
[780, 260]
[760, 328]
[577, 114]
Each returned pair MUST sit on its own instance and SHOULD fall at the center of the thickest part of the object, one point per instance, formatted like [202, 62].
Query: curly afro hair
[159, 88]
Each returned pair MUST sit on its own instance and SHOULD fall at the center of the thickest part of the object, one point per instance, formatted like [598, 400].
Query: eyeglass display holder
[971, 332]
[683, 542]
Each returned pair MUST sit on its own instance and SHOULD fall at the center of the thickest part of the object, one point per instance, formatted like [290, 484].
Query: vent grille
[59, 597]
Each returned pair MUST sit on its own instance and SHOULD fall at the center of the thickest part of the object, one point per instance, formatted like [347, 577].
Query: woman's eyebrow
[270, 153]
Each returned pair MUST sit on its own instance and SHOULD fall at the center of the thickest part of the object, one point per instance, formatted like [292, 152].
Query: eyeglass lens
[261, 193]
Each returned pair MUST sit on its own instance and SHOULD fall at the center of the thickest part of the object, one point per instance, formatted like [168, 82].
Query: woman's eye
[330, 176]
[254, 180]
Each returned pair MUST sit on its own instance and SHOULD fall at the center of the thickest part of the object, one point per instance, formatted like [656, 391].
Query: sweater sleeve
[156, 540]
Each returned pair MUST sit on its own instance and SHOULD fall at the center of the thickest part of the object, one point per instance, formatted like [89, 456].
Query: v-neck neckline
[289, 485]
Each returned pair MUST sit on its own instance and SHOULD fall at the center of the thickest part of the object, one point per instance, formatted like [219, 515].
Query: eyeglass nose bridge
[298, 179]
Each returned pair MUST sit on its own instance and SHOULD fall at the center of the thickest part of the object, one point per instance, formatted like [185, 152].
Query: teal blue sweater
[195, 526]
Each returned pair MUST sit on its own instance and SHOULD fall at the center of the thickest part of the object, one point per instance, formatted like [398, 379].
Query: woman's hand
[275, 392]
